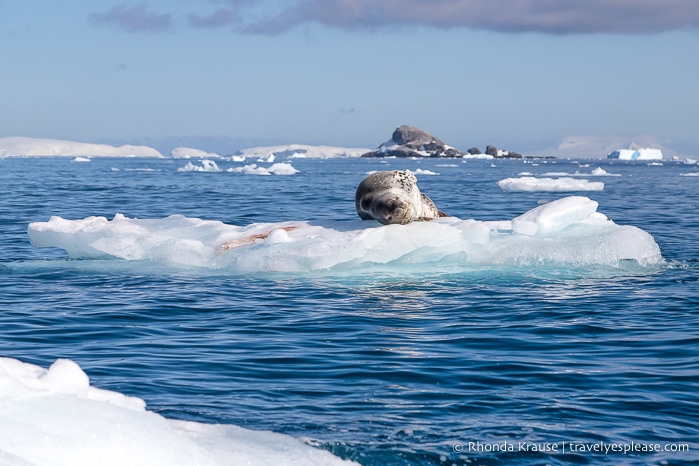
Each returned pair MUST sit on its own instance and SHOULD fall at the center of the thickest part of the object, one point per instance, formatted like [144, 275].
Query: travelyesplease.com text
[606, 448]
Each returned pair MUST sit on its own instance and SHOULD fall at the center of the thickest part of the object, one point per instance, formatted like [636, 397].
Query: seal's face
[387, 207]
[389, 197]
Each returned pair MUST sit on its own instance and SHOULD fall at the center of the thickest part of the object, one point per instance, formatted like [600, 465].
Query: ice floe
[599, 171]
[566, 232]
[206, 166]
[422, 171]
[55, 417]
[530, 183]
[279, 168]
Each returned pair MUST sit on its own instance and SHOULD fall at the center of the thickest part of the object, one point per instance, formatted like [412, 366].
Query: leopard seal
[393, 197]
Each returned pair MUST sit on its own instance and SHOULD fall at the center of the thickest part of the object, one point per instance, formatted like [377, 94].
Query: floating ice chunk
[596, 172]
[189, 153]
[206, 166]
[567, 231]
[282, 169]
[276, 169]
[251, 169]
[55, 418]
[599, 171]
[529, 183]
[421, 171]
[82, 159]
[555, 216]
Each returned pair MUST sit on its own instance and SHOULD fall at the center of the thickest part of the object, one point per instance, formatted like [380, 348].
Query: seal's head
[390, 206]
[393, 197]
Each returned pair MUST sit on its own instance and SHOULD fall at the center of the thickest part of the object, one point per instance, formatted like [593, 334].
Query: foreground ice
[566, 232]
[55, 418]
[529, 183]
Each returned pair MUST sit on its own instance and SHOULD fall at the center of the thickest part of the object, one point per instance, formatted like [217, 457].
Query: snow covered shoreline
[40, 147]
[35, 147]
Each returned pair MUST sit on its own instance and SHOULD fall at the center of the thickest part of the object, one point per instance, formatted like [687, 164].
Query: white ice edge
[280, 168]
[55, 417]
[40, 147]
[565, 232]
[530, 183]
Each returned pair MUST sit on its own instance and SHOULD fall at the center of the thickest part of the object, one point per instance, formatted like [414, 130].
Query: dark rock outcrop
[408, 141]
[502, 154]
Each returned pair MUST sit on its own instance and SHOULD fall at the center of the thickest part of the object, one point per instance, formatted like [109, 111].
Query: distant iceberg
[36, 147]
[636, 154]
[190, 153]
[301, 151]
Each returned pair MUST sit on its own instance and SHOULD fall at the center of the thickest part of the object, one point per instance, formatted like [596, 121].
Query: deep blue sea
[441, 367]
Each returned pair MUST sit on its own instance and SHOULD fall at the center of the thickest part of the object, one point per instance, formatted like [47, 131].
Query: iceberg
[36, 147]
[206, 166]
[301, 151]
[599, 171]
[55, 417]
[190, 153]
[530, 183]
[568, 232]
[636, 154]
[279, 168]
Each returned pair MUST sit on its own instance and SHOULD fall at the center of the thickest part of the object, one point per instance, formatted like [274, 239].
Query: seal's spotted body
[393, 197]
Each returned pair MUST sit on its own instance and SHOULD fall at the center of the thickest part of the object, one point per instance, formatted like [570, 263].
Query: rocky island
[408, 141]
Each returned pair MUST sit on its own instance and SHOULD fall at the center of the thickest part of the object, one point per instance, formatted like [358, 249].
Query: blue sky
[524, 75]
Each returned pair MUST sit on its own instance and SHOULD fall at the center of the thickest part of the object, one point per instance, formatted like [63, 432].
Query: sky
[541, 77]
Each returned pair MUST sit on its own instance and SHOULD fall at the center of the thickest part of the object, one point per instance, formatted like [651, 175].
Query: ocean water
[393, 366]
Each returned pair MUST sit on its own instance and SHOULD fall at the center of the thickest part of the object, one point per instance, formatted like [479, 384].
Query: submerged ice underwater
[529, 316]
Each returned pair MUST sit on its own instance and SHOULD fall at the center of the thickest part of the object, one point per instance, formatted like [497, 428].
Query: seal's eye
[366, 202]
